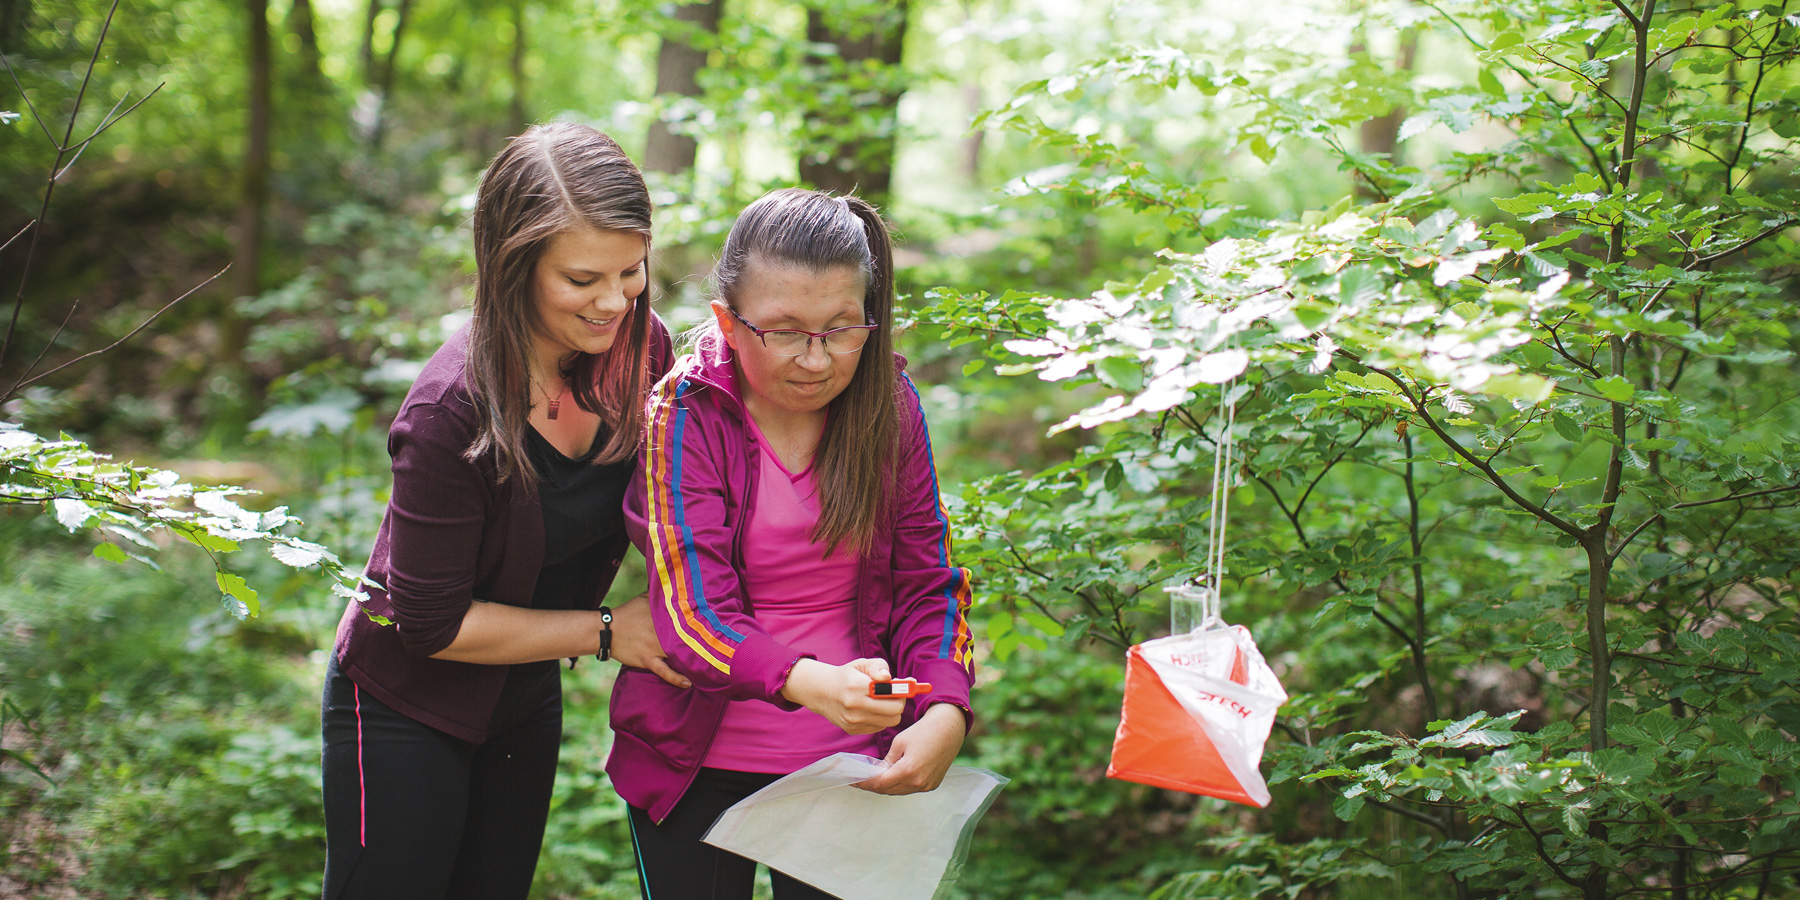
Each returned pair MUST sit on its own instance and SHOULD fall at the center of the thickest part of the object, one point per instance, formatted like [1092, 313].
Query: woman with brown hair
[798, 554]
[511, 455]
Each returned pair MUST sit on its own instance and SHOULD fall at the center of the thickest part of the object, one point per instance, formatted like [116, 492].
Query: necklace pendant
[554, 403]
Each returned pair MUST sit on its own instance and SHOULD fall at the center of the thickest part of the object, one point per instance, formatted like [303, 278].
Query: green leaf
[1575, 820]
[973, 366]
[1651, 444]
[234, 586]
[1347, 807]
[1536, 354]
[1529, 388]
[1483, 737]
[211, 541]
[1359, 286]
[1489, 83]
[1311, 316]
[1120, 372]
[1043, 623]
[1567, 427]
[1615, 388]
[1622, 766]
[110, 552]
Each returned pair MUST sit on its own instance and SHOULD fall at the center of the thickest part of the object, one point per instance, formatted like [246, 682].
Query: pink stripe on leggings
[361, 785]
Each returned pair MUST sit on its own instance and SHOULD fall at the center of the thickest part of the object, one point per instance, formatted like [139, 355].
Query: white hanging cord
[1220, 508]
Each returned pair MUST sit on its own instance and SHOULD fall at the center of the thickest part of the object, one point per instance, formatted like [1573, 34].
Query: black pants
[411, 812]
[673, 863]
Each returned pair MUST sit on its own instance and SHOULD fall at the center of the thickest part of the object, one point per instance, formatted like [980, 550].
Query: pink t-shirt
[804, 599]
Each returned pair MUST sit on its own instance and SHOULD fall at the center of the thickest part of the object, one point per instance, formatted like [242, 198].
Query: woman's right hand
[635, 644]
[841, 694]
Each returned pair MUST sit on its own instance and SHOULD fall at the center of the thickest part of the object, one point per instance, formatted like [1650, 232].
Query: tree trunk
[14, 14]
[1381, 136]
[246, 265]
[300, 24]
[971, 145]
[678, 65]
[863, 163]
[517, 119]
[384, 85]
[368, 43]
[1599, 586]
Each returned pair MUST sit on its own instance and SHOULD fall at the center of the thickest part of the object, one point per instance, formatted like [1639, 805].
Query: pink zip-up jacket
[686, 510]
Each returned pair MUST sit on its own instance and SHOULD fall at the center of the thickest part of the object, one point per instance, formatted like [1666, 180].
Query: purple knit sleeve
[436, 517]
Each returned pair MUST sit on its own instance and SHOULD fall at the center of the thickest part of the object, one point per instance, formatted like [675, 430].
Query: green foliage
[1588, 463]
[1512, 387]
[87, 491]
[170, 731]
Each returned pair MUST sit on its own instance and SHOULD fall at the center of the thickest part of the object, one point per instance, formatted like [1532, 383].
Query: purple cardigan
[451, 534]
[686, 509]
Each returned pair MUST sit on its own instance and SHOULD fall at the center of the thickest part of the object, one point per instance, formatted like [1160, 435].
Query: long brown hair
[854, 460]
[550, 179]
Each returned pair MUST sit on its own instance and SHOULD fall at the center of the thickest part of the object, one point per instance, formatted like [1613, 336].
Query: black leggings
[674, 864]
[411, 812]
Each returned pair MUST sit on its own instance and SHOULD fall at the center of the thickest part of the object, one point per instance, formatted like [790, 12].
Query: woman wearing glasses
[789, 512]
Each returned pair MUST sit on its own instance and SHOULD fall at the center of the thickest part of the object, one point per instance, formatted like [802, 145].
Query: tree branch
[1674, 662]
[1414, 815]
[27, 382]
[9, 241]
[1711, 258]
[1486, 470]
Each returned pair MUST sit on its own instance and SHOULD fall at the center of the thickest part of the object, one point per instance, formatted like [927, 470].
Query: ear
[727, 325]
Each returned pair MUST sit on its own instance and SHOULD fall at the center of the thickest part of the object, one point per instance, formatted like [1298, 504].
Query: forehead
[588, 247]
[780, 293]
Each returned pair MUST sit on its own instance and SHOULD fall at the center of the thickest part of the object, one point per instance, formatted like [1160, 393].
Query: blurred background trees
[1507, 291]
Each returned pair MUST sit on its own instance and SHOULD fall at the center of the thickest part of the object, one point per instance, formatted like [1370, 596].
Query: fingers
[660, 666]
[868, 715]
[875, 716]
[875, 669]
[900, 779]
[859, 713]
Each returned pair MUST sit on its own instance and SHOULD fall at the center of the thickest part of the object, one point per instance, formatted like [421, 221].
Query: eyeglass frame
[762, 335]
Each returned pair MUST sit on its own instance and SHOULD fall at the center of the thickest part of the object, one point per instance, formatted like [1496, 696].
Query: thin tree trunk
[368, 43]
[253, 200]
[384, 85]
[300, 24]
[1381, 135]
[971, 145]
[864, 163]
[516, 121]
[13, 16]
[678, 65]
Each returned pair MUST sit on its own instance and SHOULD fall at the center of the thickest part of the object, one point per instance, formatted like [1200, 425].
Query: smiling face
[583, 286]
[775, 296]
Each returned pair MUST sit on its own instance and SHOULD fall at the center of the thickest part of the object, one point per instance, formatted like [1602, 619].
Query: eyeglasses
[793, 342]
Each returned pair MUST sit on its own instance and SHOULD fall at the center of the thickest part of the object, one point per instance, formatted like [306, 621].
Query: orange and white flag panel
[1198, 709]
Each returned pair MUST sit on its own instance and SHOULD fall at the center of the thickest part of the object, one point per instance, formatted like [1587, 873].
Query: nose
[814, 358]
[610, 300]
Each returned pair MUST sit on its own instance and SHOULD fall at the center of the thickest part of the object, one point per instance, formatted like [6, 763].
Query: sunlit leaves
[87, 491]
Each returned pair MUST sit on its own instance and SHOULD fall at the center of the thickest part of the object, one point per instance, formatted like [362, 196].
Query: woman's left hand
[634, 641]
[922, 753]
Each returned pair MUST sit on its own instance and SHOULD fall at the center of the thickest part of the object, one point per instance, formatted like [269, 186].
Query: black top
[583, 515]
[584, 505]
